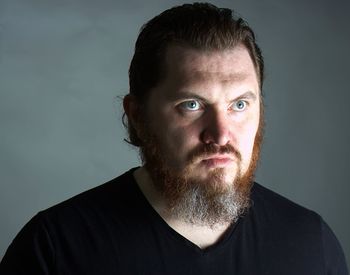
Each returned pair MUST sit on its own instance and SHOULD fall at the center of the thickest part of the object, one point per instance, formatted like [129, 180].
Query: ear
[132, 110]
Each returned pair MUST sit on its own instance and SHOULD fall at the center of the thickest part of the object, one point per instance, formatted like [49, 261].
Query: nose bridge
[217, 127]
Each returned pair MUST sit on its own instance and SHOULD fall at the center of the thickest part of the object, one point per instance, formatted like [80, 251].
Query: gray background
[63, 68]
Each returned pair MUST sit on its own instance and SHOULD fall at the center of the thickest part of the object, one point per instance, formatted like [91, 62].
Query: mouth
[218, 161]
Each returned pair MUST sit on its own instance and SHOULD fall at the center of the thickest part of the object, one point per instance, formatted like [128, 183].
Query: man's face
[202, 119]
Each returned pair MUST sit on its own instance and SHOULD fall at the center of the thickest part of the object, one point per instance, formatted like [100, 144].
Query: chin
[218, 178]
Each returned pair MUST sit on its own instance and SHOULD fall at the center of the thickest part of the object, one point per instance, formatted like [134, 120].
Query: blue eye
[191, 105]
[239, 105]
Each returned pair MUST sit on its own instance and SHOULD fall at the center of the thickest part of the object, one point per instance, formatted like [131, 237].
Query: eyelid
[182, 104]
[245, 100]
[248, 97]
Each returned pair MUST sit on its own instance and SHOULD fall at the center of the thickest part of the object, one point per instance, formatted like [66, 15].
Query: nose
[217, 128]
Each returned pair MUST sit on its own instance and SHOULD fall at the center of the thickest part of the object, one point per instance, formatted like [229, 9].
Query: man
[195, 111]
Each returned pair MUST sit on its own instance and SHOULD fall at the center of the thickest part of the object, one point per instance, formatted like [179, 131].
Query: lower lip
[217, 162]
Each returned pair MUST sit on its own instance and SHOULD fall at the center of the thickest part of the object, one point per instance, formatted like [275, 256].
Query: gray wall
[63, 66]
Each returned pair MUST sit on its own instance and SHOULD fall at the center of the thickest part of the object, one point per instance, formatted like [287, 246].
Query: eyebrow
[186, 94]
[249, 95]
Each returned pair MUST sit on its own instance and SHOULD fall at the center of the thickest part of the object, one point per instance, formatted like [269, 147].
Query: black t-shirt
[112, 229]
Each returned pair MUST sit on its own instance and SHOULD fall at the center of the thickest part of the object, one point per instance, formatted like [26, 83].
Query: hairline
[201, 49]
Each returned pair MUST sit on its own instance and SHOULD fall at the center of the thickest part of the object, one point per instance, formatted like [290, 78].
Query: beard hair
[198, 202]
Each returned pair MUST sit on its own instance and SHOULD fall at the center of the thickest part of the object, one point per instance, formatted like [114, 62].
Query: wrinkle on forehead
[231, 65]
[226, 78]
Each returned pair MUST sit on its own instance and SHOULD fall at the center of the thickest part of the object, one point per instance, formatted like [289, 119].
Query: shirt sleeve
[333, 253]
[31, 252]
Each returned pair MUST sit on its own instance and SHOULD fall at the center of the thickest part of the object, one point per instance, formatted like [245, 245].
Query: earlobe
[131, 109]
[127, 105]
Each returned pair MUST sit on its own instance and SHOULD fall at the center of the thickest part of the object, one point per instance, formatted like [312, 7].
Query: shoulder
[115, 192]
[96, 209]
[275, 207]
[65, 232]
[295, 232]
[282, 222]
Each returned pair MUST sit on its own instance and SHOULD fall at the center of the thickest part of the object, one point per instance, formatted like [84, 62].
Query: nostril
[216, 134]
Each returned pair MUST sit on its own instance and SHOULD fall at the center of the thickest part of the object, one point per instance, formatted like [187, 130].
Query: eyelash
[183, 105]
[241, 100]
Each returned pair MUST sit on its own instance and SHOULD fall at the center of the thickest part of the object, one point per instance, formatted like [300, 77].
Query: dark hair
[201, 26]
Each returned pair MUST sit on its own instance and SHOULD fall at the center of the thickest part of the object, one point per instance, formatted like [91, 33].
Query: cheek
[247, 139]
[181, 138]
[247, 143]
[177, 142]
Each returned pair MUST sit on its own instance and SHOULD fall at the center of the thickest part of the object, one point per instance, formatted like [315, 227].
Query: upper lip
[218, 156]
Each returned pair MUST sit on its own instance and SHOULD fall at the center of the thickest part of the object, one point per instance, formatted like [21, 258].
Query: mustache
[207, 150]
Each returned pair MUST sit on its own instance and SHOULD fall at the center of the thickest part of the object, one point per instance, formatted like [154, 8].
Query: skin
[198, 102]
[206, 97]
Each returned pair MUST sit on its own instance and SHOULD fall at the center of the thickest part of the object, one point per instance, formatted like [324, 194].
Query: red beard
[195, 201]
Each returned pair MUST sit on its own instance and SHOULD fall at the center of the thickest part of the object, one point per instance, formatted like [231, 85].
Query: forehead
[185, 64]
